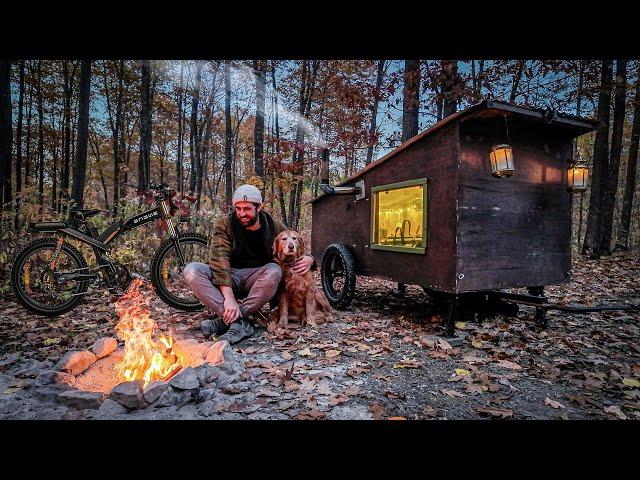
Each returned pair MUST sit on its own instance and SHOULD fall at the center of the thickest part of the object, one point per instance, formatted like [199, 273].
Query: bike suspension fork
[172, 231]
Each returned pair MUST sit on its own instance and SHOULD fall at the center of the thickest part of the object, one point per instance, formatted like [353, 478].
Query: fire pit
[148, 368]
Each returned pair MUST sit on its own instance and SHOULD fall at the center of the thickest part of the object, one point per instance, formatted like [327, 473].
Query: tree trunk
[179, 181]
[193, 129]
[283, 206]
[575, 143]
[68, 130]
[6, 134]
[19, 146]
[374, 113]
[27, 161]
[83, 133]
[144, 158]
[600, 161]
[40, 171]
[261, 80]
[610, 188]
[228, 137]
[95, 146]
[411, 99]
[630, 184]
[450, 87]
[516, 81]
[306, 96]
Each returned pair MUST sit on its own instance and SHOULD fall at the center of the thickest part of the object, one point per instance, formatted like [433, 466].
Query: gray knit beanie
[246, 193]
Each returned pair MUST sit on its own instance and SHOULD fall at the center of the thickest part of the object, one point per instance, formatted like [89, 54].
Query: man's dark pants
[259, 283]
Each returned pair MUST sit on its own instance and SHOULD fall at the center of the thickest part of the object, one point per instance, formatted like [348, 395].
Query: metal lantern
[578, 177]
[501, 160]
[502, 156]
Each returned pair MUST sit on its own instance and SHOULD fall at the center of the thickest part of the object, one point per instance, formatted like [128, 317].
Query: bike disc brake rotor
[41, 283]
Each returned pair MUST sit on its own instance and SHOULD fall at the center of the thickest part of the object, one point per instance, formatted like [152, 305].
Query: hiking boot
[238, 330]
[213, 326]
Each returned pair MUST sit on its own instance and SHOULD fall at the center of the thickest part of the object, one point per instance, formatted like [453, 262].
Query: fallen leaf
[553, 403]
[477, 343]
[495, 412]
[51, 341]
[338, 399]
[332, 353]
[474, 388]
[630, 382]
[354, 372]
[263, 392]
[352, 390]
[394, 395]
[396, 418]
[378, 410]
[305, 352]
[615, 410]
[452, 393]
[463, 372]
[407, 364]
[430, 411]
[286, 355]
[510, 365]
[460, 325]
[443, 344]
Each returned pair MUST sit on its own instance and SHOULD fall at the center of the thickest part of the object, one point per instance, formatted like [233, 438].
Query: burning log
[144, 358]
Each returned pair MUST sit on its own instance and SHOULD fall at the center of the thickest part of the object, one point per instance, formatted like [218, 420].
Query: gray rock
[128, 394]
[75, 362]
[225, 379]
[154, 389]
[207, 373]
[111, 407]
[49, 393]
[104, 346]
[51, 377]
[81, 400]
[185, 379]
[206, 394]
[29, 369]
[174, 397]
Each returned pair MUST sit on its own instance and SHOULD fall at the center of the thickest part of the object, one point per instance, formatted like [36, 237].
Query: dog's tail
[323, 305]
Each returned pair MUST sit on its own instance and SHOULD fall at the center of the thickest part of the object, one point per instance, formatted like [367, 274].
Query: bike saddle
[87, 213]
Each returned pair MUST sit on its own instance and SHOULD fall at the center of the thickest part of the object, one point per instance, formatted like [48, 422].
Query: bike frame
[101, 243]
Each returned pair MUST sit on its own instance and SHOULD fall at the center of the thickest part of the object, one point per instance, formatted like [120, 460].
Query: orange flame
[144, 358]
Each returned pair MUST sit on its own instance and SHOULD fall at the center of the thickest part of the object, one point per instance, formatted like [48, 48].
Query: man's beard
[251, 223]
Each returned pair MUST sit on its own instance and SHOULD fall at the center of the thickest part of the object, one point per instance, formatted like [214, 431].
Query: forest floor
[370, 364]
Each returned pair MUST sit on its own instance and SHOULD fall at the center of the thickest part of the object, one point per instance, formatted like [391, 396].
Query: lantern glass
[578, 177]
[501, 161]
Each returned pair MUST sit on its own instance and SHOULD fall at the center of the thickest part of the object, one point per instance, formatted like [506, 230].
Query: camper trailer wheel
[338, 275]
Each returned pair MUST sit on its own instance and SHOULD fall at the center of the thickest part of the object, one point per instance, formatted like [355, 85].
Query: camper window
[399, 216]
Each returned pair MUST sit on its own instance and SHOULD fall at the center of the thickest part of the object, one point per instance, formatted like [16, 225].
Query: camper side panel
[514, 231]
[342, 219]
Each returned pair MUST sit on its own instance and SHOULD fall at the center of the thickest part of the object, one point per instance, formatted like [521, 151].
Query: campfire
[144, 358]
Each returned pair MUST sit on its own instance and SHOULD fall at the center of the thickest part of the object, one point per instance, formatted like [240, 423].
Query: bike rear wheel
[37, 286]
[167, 268]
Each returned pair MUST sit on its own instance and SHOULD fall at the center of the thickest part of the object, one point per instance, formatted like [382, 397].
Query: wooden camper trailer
[432, 213]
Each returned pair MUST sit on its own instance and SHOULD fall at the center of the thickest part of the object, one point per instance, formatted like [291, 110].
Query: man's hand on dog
[302, 265]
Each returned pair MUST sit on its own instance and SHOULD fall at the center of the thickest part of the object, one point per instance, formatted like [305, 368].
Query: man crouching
[242, 262]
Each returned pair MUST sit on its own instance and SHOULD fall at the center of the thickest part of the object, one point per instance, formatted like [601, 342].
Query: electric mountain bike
[51, 276]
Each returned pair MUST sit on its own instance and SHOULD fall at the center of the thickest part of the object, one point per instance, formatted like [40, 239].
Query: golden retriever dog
[298, 296]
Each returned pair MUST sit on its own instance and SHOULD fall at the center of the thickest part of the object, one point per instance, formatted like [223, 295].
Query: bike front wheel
[167, 268]
[44, 290]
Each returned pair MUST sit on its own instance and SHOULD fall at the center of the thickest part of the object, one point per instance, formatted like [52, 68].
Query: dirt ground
[377, 361]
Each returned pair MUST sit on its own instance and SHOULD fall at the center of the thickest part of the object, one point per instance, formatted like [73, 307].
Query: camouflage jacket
[226, 240]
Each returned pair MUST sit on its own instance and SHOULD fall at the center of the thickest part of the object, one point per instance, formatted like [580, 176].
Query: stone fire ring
[86, 379]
